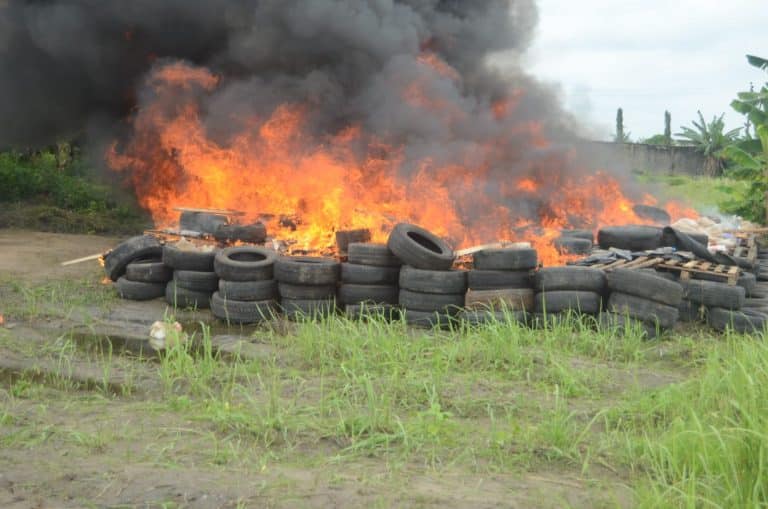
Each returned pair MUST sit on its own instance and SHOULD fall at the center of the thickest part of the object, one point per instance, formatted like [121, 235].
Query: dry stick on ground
[83, 259]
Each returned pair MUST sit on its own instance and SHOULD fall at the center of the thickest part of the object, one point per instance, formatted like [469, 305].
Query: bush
[72, 202]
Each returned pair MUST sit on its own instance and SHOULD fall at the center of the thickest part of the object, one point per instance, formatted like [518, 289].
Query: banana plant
[751, 166]
[710, 139]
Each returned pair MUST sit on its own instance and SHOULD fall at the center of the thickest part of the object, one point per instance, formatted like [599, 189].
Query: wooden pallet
[747, 248]
[642, 262]
[728, 274]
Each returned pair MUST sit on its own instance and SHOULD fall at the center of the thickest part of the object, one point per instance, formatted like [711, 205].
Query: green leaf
[742, 158]
[760, 63]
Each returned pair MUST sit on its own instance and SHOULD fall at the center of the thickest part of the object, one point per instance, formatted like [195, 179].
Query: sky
[646, 57]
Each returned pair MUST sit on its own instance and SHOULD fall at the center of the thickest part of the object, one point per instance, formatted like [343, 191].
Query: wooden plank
[616, 264]
[752, 254]
[720, 268]
[692, 264]
[81, 260]
[651, 262]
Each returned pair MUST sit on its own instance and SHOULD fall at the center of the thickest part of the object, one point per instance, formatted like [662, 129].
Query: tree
[710, 139]
[750, 156]
[620, 136]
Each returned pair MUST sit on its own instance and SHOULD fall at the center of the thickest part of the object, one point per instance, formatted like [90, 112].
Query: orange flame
[275, 168]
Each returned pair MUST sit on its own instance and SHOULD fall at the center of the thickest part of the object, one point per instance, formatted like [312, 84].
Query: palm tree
[710, 139]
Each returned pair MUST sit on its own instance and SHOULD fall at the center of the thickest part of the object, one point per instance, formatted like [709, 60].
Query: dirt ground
[87, 444]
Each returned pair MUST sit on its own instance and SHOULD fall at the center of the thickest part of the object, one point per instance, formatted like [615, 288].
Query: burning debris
[389, 113]
[650, 275]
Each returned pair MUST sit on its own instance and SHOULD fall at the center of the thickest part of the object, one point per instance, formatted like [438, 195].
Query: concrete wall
[673, 160]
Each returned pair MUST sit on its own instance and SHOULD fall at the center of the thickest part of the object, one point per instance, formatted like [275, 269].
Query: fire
[2, 319]
[277, 166]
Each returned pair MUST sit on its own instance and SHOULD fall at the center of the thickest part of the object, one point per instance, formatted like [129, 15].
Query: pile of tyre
[431, 294]
[307, 286]
[194, 279]
[136, 267]
[643, 296]
[568, 290]
[369, 281]
[247, 289]
[500, 285]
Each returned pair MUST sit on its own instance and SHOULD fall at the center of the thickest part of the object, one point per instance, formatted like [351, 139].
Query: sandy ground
[37, 256]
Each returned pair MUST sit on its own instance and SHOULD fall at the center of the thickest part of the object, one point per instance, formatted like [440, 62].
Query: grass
[498, 398]
[705, 193]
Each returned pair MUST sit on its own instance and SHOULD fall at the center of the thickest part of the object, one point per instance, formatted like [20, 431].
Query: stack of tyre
[642, 296]
[430, 292]
[369, 281]
[574, 242]
[136, 267]
[564, 290]
[724, 305]
[144, 279]
[247, 290]
[500, 285]
[194, 279]
[307, 286]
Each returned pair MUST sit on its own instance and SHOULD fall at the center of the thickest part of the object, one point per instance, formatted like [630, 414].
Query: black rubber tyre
[355, 274]
[433, 281]
[655, 214]
[183, 298]
[376, 294]
[197, 281]
[368, 311]
[745, 321]
[305, 292]
[137, 290]
[643, 309]
[248, 290]
[307, 270]
[578, 234]
[513, 299]
[237, 311]
[573, 245]
[669, 276]
[419, 248]
[620, 325]
[377, 255]
[632, 238]
[755, 303]
[428, 319]
[143, 246]
[255, 233]
[646, 285]
[746, 280]
[495, 279]
[297, 309]
[717, 295]
[245, 263]
[691, 312]
[670, 238]
[432, 302]
[203, 222]
[148, 271]
[565, 300]
[569, 278]
[486, 316]
[188, 259]
[505, 259]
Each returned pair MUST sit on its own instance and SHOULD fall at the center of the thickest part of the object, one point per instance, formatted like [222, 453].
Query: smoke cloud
[64, 63]
[410, 74]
